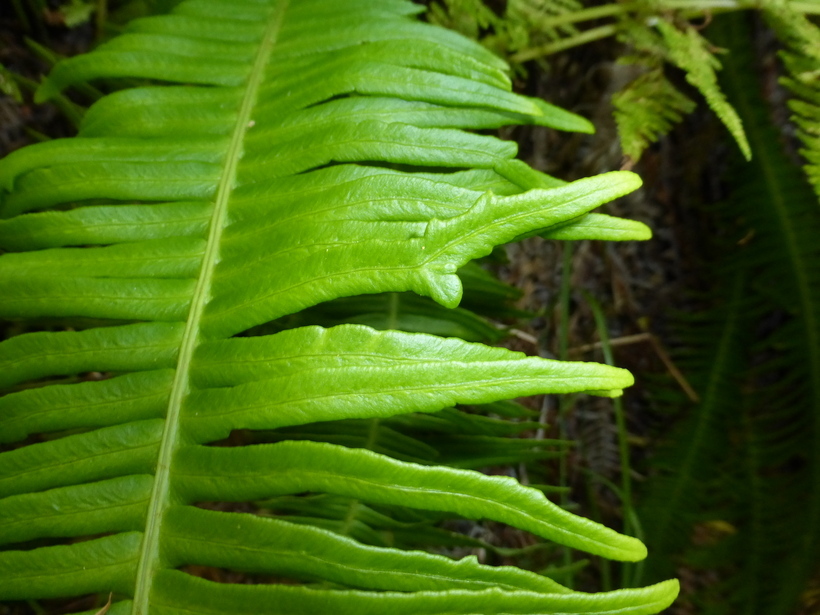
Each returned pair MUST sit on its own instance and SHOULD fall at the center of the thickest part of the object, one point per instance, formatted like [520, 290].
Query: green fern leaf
[302, 153]
[690, 52]
[647, 109]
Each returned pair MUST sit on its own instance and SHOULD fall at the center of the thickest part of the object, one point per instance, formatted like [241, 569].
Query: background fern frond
[536, 29]
[646, 109]
[757, 430]
[689, 51]
[802, 61]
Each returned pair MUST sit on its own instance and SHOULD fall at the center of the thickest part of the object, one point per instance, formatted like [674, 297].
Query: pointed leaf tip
[561, 119]
[666, 592]
[45, 92]
[627, 181]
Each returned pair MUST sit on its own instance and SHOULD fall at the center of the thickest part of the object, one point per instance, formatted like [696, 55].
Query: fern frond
[802, 61]
[647, 109]
[469, 17]
[300, 153]
[533, 23]
[690, 51]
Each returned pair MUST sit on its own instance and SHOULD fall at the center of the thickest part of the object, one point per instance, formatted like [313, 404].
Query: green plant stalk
[564, 300]
[604, 564]
[71, 110]
[160, 495]
[623, 440]
[563, 571]
[21, 15]
[586, 14]
[101, 19]
[634, 579]
[565, 404]
[36, 607]
[51, 58]
[38, 7]
[588, 36]
[373, 431]
[620, 420]
[36, 136]
[630, 516]
[754, 568]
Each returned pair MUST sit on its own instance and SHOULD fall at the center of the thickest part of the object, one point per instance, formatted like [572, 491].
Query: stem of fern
[353, 506]
[21, 15]
[587, 36]
[101, 18]
[754, 567]
[564, 406]
[811, 8]
[634, 522]
[563, 301]
[71, 110]
[623, 442]
[807, 8]
[605, 564]
[587, 14]
[160, 495]
[393, 311]
[36, 607]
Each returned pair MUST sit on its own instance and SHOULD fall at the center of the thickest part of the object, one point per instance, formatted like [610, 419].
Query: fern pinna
[304, 151]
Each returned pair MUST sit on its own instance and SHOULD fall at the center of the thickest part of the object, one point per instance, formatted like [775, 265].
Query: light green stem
[623, 441]
[102, 18]
[587, 14]
[587, 36]
[161, 496]
[563, 352]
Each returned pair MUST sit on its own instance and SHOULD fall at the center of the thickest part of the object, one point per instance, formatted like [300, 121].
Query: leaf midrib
[149, 555]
